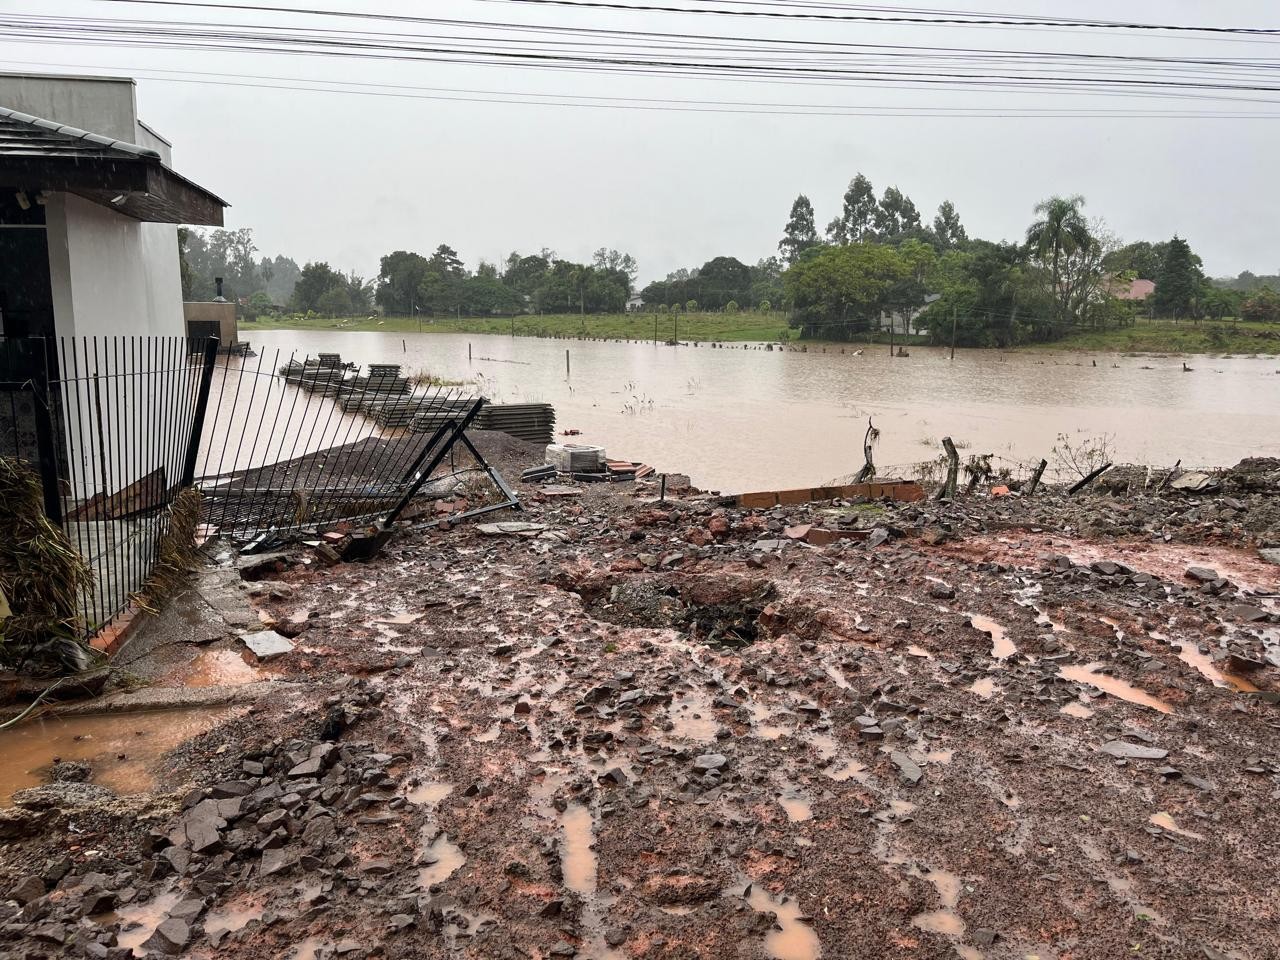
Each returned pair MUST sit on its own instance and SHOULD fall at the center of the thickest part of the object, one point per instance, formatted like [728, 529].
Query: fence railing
[117, 426]
[291, 444]
[109, 425]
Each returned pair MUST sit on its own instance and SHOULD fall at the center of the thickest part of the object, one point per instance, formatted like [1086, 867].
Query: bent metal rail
[293, 445]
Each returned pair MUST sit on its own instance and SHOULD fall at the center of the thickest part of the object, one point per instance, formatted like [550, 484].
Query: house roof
[40, 154]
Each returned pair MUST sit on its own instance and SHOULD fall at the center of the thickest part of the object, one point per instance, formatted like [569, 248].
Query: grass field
[1164, 336]
[686, 326]
[1147, 336]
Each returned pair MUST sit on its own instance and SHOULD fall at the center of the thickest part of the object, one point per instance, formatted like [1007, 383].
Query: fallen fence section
[308, 444]
[902, 490]
[110, 425]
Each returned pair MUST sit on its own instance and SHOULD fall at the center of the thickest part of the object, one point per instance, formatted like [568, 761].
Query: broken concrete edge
[150, 699]
[904, 491]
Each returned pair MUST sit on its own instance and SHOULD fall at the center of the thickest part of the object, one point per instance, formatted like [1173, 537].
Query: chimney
[217, 287]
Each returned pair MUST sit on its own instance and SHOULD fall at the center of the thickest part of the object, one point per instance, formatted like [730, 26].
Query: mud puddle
[428, 793]
[231, 918]
[1166, 822]
[577, 858]
[1112, 686]
[1002, 648]
[441, 858]
[221, 668]
[139, 921]
[985, 687]
[792, 938]
[945, 920]
[123, 750]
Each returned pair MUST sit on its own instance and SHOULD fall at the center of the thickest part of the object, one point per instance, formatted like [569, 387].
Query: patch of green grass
[1165, 336]
[614, 326]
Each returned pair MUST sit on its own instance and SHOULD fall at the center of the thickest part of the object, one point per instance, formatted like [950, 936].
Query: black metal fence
[110, 424]
[295, 444]
[115, 427]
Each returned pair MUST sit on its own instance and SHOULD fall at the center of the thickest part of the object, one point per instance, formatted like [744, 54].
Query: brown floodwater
[139, 921]
[123, 749]
[577, 858]
[1002, 648]
[220, 668]
[443, 857]
[740, 419]
[794, 939]
[1112, 686]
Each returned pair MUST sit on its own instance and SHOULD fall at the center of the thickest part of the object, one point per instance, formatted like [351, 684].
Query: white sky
[346, 178]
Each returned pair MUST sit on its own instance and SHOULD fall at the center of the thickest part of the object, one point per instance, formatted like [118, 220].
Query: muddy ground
[1000, 728]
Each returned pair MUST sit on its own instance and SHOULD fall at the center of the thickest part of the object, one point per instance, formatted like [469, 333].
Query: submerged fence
[110, 425]
[115, 427]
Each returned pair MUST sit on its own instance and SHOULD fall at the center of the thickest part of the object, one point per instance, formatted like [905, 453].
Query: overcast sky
[345, 178]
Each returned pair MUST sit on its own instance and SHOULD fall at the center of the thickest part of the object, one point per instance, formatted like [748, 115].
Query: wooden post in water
[953, 334]
[1035, 477]
[468, 353]
[948, 489]
[566, 364]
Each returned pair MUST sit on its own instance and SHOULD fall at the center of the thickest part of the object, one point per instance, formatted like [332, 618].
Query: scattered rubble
[622, 727]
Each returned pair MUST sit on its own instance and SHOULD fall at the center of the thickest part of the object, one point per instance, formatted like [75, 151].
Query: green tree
[1263, 306]
[721, 280]
[947, 227]
[1060, 234]
[314, 282]
[1133, 261]
[856, 222]
[335, 302]
[399, 276]
[840, 291]
[1179, 282]
[800, 233]
[895, 215]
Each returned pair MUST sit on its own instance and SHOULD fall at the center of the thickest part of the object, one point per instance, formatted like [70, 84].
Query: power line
[936, 19]
[238, 38]
[879, 18]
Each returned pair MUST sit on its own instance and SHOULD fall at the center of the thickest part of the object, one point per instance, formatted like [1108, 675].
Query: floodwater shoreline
[745, 417]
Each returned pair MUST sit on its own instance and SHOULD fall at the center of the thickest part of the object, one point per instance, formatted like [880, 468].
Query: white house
[89, 208]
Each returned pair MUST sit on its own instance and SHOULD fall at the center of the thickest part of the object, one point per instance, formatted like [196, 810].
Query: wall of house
[97, 104]
[111, 274]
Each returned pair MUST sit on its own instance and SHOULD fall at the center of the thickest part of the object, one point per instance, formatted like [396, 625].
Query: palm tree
[1060, 232]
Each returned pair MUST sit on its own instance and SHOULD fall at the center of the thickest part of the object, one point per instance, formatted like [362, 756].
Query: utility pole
[953, 334]
[891, 331]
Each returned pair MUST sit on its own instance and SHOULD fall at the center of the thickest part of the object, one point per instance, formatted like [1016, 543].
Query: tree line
[876, 259]
[879, 259]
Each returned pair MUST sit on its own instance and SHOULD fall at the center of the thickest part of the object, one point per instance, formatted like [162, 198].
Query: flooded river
[742, 419]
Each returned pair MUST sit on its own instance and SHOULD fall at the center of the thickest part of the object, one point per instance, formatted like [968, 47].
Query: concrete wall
[112, 275]
[223, 314]
[97, 104]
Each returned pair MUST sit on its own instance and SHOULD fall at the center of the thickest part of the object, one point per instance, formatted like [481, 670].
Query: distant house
[898, 323]
[1134, 290]
[635, 303]
[89, 208]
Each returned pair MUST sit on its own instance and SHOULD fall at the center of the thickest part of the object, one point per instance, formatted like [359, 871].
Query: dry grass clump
[176, 554]
[44, 579]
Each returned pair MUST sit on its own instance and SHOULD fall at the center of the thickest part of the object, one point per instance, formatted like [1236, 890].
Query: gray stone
[267, 644]
[170, 937]
[908, 769]
[1202, 574]
[27, 889]
[711, 761]
[308, 768]
[1132, 751]
[277, 859]
[942, 591]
